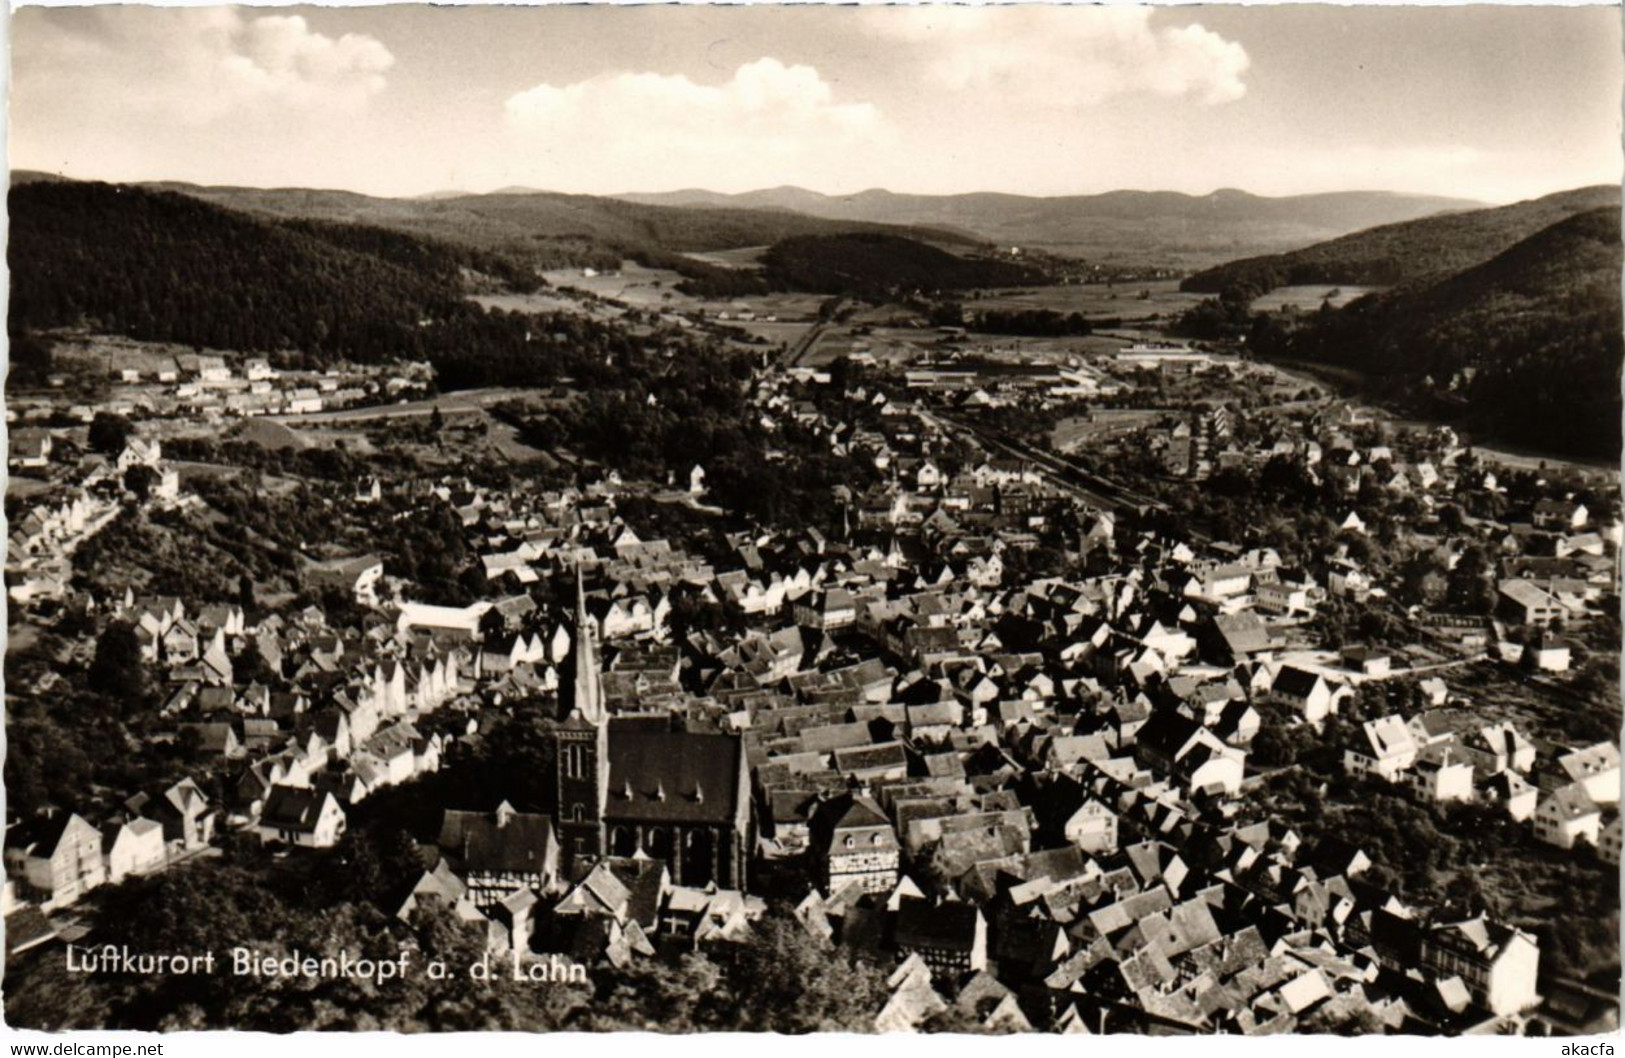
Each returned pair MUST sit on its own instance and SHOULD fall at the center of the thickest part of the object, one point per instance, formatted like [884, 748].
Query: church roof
[672, 776]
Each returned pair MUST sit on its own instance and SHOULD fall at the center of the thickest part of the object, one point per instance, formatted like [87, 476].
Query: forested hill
[162, 266]
[545, 229]
[1527, 345]
[871, 265]
[1399, 253]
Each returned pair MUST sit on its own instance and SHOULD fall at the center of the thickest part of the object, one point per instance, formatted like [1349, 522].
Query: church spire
[587, 692]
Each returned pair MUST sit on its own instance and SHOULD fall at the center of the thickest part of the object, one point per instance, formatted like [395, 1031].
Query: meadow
[1309, 298]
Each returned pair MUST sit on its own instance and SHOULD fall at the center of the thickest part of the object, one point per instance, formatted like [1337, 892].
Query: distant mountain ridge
[1411, 250]
[1111, 225]
[1166, 228]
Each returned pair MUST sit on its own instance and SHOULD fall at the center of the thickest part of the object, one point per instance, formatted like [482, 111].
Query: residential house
[1567, 816]
[1308, 693]
[357, 576]
[185, 813]
[1608, 844]
[1497, 747]
[1442, 773]
[1559, 515]
[301, 816]
[1383, 748]
[1596, 768]
[951, 938]
[497, 853]
[1498, 963]
[133, 847]
[1548, 653]
[856, 845]
[1093, 828]
[1511, 792]
[56, 858]
[1524, 602]
[30, 449]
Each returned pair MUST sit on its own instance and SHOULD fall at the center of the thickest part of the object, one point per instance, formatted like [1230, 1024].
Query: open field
[787, 306]
[637, 286]
[1096, 300]
[656, 288]
[1073, 433]
[745, 257]
[101, 354]
[778, 333]
[543, 301]
[1309, 297]
[895, 345]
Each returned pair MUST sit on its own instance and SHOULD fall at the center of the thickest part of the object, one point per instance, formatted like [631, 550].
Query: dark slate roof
[1167, 732]
[642, 879]
[923, 925]
[497, 842]
[44, 832]
[1295, 682]
[27, 928]
[293, 808]
[672, 776]
[886, 755]
[1244, 633]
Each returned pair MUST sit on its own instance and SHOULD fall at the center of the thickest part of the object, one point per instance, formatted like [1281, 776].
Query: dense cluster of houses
[334, 725]
[212, 387]
[40, 547]
[1027, 795]
[1554, 564]
[1004, 788]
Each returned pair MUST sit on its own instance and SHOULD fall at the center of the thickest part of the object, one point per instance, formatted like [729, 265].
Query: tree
[109, 432]
[118, 669]
[785, 980]
[138, 480]
[31, 360]
[1330, 1019]
[1470, 588]
[437, 422]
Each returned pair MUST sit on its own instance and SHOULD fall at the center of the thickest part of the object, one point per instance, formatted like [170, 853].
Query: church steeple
[587, 690]
[581, 761]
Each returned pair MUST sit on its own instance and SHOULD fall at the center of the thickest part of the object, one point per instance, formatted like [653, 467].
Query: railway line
[1063, 472]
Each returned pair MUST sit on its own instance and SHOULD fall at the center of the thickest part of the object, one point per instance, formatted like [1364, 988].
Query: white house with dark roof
[1384, 749]
[1498, 963]
[1596, 768]
[1568, 816]
[1308, 693]
[301, 816]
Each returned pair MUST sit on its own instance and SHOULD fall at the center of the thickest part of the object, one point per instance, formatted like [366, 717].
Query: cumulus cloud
[766, 120]
[191, 66]
[1068, 56]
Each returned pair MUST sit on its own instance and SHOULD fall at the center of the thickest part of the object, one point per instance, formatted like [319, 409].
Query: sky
[1490, 103]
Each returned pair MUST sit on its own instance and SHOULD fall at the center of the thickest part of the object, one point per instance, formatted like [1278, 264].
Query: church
[633, 784]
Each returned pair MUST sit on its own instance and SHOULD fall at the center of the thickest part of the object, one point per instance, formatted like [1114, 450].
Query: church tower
[581, 764]
[581, 688]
